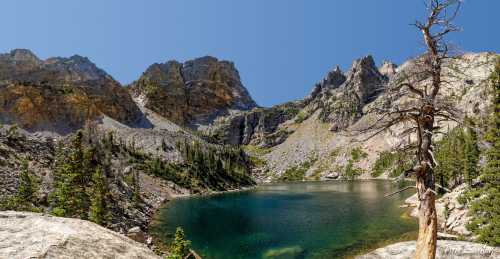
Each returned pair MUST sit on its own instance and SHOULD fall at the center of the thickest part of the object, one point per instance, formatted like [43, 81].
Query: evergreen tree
[25, 198]
[27, 185]
[471, 156]
[457, 155]
[136, 188]
[485, 208]
[98, 211]
[180, 246]
[69, 198]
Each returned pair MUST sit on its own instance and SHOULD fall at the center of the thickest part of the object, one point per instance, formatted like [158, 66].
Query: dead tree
[414, 100]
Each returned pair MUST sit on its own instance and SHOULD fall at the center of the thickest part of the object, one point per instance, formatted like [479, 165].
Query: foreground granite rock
[452, 215]
[31, 235]
[446, 249]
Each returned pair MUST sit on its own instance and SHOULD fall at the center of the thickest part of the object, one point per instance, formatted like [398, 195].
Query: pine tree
[98, 211]
[471, 156]
[27, 185]
[136, 188]
[69, 198]
[180, 246]
[485, 209]
[25, 198]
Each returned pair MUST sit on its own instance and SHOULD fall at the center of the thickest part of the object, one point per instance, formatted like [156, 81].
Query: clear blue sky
[281, 47]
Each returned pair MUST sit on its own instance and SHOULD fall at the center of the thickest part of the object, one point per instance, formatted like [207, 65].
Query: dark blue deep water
[290, 220]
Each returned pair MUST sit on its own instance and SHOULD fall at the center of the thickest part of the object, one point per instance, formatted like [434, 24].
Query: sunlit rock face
[341, 102]
[192, 93]
[445, 249]
[388, 69]
[260, 127]
[59, 94]
[32, 235]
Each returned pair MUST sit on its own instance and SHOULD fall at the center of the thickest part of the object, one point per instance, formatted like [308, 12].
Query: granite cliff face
[260, 126]
[59, 94]
[341, 104]
[193, 93]
[339, 98]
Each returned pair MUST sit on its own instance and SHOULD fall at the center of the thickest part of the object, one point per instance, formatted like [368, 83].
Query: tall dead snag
[414, 100]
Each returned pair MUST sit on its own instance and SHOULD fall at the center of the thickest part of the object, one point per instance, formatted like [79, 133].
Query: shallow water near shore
[290, 220]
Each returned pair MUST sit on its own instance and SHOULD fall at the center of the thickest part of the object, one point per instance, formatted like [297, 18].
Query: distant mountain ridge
[61, 94]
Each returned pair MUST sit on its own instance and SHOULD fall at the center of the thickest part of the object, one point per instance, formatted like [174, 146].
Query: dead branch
[399, 191]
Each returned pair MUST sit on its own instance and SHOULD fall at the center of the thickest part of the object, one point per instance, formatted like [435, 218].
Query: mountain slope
[59, 94]
[320, 142]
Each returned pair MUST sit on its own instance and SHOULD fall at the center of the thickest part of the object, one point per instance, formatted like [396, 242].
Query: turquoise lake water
[290, 220]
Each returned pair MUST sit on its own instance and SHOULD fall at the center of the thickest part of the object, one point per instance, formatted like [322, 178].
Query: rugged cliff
[193, 93]
[59, 94]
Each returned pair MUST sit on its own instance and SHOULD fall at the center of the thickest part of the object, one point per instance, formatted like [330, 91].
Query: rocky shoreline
[453, 218]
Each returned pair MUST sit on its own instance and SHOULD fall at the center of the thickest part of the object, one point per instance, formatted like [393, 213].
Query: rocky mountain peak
[342, 97]
[163, 73]
[24, 55]
[59, 94]
[194, 92]
[75, 68]
[364, 78]
[333, 79]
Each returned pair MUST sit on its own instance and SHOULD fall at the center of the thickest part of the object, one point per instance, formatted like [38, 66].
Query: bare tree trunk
[427, 222]
[427, 218]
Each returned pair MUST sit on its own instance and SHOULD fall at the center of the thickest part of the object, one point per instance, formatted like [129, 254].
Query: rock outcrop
[59, 94]
[31, 235]
[452, 215]
[445, 250]
[193, 93]
[333, 79]
[341, 105]
[388, 69]
[259, 127]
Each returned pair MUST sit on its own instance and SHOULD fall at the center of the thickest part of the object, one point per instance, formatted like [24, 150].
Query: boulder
[32, 235]
[446, 249]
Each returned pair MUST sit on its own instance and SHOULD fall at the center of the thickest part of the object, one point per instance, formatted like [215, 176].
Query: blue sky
[281, 47]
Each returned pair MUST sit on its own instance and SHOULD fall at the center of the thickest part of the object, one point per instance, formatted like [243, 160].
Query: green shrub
[357, 154]
[180, 246]
[383, 163]
[301, 116]
[296, 173]
[351, 171]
